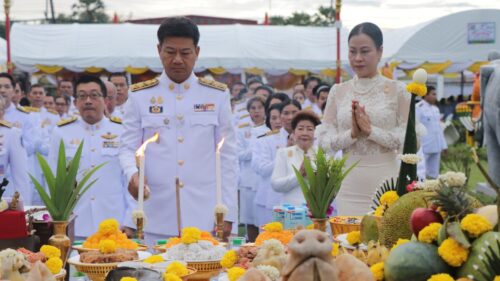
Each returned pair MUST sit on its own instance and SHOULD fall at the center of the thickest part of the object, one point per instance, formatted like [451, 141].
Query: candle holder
[140, 228]
[219, 226]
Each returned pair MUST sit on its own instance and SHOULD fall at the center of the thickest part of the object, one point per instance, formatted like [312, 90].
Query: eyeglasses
[92, 95]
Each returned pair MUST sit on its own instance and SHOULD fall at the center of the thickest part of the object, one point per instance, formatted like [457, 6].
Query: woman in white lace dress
[366, 118]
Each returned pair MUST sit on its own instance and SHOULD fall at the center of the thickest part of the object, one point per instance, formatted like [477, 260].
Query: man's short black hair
[118, 74]
[67, 100]
[8, 76]
[91, 79]
[37, 86]
[178, 27]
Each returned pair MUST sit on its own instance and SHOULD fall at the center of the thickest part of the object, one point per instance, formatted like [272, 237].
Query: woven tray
[80, 249]
[339, 227]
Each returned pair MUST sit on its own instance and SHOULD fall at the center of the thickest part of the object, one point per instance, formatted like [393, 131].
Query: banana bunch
[376, 253]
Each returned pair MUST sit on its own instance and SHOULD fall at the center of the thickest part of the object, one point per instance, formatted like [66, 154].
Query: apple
[422, 217]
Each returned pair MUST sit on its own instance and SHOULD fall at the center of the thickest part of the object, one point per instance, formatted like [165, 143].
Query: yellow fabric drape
[136, 70]
[329, 72]
[476, 66]
[217, 70]
[49, 69]
[93, 69]
[432, 67]
[298, 72]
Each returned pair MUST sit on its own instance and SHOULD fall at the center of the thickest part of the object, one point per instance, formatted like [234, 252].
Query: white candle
[140, 197]
[218, 175]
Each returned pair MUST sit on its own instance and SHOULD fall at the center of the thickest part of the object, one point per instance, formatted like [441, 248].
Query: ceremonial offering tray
[98, 271]
[345, 224]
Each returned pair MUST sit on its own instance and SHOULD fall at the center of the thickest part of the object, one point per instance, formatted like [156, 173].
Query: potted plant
[321, 184]
[63, 193]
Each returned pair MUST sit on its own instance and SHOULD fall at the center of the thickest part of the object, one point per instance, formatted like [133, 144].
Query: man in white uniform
[192, 115]
[101, 137]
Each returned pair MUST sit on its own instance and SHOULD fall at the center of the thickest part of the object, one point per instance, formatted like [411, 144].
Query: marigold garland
[354, 237]
[389, 198]
[378, 271]
[107, 246]
[229, 259]
[177, 268]
[171, 277]
[128, 279]
[54, 265]
[453, 253]
[400, 242]
[335, 249]
[441, 277]
[235, 273]
[273, 227]
[109, 230]
[108, 226]
[154, 259]
[429, 234]
[475, 225]
[417, 89]
[50, 251]
[284, 236]
[190, 235]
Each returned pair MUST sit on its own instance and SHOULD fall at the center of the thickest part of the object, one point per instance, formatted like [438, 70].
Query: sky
[386, 13]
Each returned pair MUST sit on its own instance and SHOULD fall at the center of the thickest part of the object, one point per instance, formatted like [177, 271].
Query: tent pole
[338, 4]
[6, 5]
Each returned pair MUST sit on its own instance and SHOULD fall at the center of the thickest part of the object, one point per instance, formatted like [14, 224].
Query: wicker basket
[80, 249]
[339, 228]
[191, 271]
[60, 276]
[205, 269]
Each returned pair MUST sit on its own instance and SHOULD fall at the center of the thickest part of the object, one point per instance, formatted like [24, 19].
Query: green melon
[369, 229]
[468, 269]
[395, 223]
[414, 261]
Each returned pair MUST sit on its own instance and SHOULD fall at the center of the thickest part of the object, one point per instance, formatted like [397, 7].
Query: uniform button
[93, 149]
[180, 117]
[166, 121]
[180, 139]
[93, 198]
[186, 86]
[181, 184]
[92, 166]
[179, 97]
[171, 86]
[180, 162]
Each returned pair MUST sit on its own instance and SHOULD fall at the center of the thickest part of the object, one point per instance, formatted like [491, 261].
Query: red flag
[266, 20]
[115, 18]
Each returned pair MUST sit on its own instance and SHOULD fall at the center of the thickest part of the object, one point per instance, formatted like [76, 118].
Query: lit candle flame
[219, 145]
[142, 149]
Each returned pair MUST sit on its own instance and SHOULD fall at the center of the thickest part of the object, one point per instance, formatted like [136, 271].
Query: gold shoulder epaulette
[144, 85]
[115, 119]
[52, 111]
[244, 115]
[244, 125]
[212, 84]
[5, 123]
[65, 122]
[22, 109]
[274, 132]
[33, 109]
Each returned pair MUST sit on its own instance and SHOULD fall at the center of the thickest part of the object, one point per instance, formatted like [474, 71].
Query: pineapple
[455, 202]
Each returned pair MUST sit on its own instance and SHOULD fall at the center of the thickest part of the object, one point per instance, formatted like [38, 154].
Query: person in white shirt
[120, 80]
[246, 134]
[283, 179]
[62, 106]
[310, 103]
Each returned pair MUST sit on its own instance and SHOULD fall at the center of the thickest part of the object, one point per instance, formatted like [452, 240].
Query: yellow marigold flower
[310, 227]
[379, 211]
[128, 279]
[475, 225]
[229, 259]
[235, 273]
[497, 278]
[399, 243]
[171, 277]
[273, 227]
[107, 246]
[354, 237]
[54, 265]
[154, 259]
[50, 251]
[190, 235]
[108, 226]
[177, 268]
[378, 271]
[441, 277]
[429, 234]
[416, 89]
[452, 253]
[389, 198]
[335, 249]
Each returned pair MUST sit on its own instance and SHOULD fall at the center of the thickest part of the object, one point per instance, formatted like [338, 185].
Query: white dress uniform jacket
[108, 197]
[429, 116]
[191, 118]
[13, 156]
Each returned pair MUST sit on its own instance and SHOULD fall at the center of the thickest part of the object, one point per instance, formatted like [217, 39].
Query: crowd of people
[265, 132]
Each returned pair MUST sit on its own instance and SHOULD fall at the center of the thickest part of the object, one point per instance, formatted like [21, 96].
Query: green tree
[86, 11]
[323, 17]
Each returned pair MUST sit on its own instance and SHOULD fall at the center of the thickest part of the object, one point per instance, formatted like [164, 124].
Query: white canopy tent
[115, 47]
